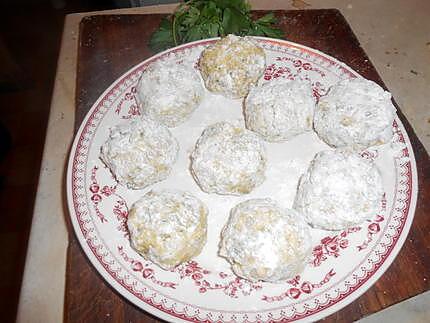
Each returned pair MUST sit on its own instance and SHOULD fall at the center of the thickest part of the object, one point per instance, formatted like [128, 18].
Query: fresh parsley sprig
[199, 19]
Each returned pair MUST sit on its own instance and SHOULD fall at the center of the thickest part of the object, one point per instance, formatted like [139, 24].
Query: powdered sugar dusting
[265, 242]
[355, 113]
[169, 91]
[232, 65]
[139, 153]
[280, 109]
[168, 227]
[339, 190]
[228, 159]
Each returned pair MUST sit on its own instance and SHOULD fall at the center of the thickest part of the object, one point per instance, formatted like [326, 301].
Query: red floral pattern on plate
[299, 288]
[129, 100]
[375, 226]
[331, 246]
[274, 71]
[120, 208]
[230, 284]
[146, 269]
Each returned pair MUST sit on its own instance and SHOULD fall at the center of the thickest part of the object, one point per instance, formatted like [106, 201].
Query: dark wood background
[111, 44]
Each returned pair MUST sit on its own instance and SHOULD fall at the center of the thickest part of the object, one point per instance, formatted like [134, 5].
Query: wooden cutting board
[111, 44]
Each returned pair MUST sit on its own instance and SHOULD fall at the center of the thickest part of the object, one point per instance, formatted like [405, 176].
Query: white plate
[344, 265]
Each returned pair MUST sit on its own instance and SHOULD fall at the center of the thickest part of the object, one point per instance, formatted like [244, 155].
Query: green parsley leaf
[192, 16]
[162, 38]
[264, 27]
[234, 22]
[262, 30]
[199, 19]
[266, 19]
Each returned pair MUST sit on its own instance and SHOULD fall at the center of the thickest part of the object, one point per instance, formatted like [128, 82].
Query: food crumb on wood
[299, 4]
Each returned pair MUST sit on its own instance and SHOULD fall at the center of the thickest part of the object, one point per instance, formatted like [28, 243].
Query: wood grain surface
[109, 45]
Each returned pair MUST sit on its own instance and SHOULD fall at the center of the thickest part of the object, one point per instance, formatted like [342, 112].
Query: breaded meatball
[169, 92]
[228, 159]
[263, 241]
[340, 189]
[168, 227]
[355, 113]
[139, 153]
[232, 65]
[280, 109]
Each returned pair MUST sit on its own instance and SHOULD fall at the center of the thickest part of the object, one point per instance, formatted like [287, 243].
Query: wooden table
[108, 46]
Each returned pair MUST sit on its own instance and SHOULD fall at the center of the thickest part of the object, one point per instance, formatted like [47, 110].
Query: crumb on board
[299, 4]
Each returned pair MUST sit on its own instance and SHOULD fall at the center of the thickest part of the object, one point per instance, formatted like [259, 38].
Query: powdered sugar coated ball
[168, 227]
[169, 92]
[262, 241]
[232, 65]
[228, 159]
[340, 189]
[355, 113]
[139, 153]
[280, 109]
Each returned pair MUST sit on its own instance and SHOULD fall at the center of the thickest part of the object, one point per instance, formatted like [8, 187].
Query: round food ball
[262, 241]
[139, 153]
[232, 65]
[169, 92]
[228, 159]
[355, 113]
[340, 189]
[168, 227]
[280, 109]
